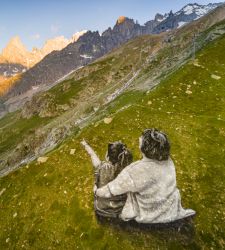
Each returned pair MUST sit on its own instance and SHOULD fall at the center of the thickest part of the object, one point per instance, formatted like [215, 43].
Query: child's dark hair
[119, 154]
[155, 145]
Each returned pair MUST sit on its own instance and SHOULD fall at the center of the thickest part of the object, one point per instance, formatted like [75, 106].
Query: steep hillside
[50, 204]
[49, 117]
[69, 103]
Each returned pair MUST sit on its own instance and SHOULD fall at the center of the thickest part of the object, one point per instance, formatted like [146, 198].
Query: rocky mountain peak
[159, 17]
[197, 9]
[77, 35]
[121, 20]
[89, 36]
[56, 43]
[15, 43]
[15, 51]
[91, 46]
[124, 24]
[187, 14]
[171, 13]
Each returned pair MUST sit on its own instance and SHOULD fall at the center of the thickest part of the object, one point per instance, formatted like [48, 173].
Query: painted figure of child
[117, 158]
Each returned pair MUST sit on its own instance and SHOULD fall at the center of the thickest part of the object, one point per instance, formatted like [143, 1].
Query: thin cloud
[55, 28]
[35, 36]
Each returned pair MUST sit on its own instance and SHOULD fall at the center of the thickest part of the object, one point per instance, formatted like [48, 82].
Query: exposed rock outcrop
[91, 45]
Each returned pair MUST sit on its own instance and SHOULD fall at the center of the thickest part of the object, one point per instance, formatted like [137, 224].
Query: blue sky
[38, 20]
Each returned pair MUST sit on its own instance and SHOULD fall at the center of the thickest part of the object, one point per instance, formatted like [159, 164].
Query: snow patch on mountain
[196, 9]
[189, 9]
[86, 56]
[180, 24]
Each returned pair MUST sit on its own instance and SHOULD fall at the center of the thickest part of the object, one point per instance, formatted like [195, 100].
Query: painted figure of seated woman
[150, 184]
[117, 158]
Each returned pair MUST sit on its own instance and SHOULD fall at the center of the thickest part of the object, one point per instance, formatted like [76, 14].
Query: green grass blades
[50, 205]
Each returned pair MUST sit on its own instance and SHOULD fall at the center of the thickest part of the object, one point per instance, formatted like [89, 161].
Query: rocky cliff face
[15, 51]
[10, 69]
[91, 46]
[50, 45]
[15, 58]
[59, 63]
[86, 49]
[186, 15]
[77, 35]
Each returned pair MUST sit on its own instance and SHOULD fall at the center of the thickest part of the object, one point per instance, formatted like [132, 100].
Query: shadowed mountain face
[92, 45]
[187, 14]
[16, 52]
[15, 59]
[60, 63]
[88, 48]
[9, 74]
[11, 69]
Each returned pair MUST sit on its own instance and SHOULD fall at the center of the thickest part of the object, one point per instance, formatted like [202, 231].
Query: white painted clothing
[153, 196]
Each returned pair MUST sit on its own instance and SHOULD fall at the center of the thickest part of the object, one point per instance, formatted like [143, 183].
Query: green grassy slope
[72, 99]
[53, 114]
[12, 133]
[50, 205]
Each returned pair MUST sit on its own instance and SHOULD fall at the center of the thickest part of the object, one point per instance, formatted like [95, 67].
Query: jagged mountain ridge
[15, 53]
[139, 64]
[16, 59]
[187, 14]
[92, 45]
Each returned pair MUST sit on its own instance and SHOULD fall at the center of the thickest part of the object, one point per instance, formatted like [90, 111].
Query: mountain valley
[108, 89]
